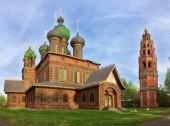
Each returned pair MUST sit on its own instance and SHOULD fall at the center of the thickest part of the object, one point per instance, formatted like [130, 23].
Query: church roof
[101, 75]
[57, 85]
[14, 86]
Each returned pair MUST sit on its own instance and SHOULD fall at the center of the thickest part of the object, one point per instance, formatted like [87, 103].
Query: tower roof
[77, 40]
[43, 48]
[29, 53]
[62, 29]
[54, 33]
[146, 35]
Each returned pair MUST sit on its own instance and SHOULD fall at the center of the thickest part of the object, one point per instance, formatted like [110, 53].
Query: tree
[2, 100]
[130, 94]
[167, 81]
[163, 97]
[164, 91]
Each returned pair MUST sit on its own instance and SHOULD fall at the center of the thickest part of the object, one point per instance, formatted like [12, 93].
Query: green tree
[167, 81]
[163, 97]
[2, 100]
[130, 94]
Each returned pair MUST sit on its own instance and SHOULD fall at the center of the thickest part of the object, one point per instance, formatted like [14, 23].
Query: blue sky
[112, 30]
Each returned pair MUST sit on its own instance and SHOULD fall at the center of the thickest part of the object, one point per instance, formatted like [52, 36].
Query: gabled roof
[101, 75]
[14, 86]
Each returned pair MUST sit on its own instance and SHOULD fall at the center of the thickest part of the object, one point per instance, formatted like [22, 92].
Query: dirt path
[163, 121]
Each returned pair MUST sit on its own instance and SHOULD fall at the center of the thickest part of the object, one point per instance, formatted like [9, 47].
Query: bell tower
[148, 74]
[28, 71]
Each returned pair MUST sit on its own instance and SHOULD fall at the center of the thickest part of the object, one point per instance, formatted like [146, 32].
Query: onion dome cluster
[59, 31]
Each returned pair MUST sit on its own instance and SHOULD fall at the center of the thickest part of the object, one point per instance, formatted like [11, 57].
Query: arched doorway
[110, 98]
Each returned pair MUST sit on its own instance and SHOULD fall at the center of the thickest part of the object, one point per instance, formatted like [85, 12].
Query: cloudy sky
[112, 30]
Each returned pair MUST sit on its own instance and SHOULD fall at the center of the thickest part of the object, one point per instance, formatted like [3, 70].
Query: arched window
[144, 45]
[55, 97]
[143, 52]
[148, 52]
[84, 98]
[42, 97]
[149, 64]
[91, 97]
[14, 99]
[23, 99]
[144, 65]
[65, 98]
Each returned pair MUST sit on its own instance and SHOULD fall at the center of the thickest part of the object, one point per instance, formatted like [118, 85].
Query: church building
[148, 74]
[62, 80]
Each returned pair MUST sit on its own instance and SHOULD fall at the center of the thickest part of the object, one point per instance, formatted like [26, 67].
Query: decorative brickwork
[64, 81]
[148, 75]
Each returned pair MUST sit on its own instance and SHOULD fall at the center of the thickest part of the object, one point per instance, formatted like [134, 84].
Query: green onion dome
[63, 30]
[77, 40]
[54, 33]
[29, 53]
[44, 48]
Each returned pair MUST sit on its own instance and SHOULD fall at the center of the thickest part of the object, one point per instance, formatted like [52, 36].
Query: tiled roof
[14, 86]
[101, 75]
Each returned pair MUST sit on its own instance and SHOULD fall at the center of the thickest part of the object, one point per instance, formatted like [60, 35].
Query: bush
[163, 98]
[2, 100]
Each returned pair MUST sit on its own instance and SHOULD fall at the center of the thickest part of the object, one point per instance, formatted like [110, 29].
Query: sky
[112, 30]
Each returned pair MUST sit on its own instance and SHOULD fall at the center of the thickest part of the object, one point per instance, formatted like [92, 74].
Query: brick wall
[16, 100]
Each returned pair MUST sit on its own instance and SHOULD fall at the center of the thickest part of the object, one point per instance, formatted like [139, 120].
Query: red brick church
[148, 74]
[61, 80]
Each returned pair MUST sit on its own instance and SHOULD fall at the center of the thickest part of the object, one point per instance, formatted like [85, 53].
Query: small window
[143, 52]
[148, 52]
[65, 98]
[149, 65]
[144, 45]
[148, 44]
[13, 99]
[77, 77]
[62, 50]
[91, 97]
[42, 97]
[63, 75]
[55, 98]
[84, 98]
[144, 65]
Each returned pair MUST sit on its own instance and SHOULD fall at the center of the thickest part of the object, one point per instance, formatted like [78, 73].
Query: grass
[27, 117]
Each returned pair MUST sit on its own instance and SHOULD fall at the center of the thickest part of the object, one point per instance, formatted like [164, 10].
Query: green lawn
[25, 117]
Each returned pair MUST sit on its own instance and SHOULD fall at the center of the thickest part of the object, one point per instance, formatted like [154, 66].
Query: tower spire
[145, 29]
[60, 12]
[45, 35]
[55, 18]
[77, 25]
[30, 43]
